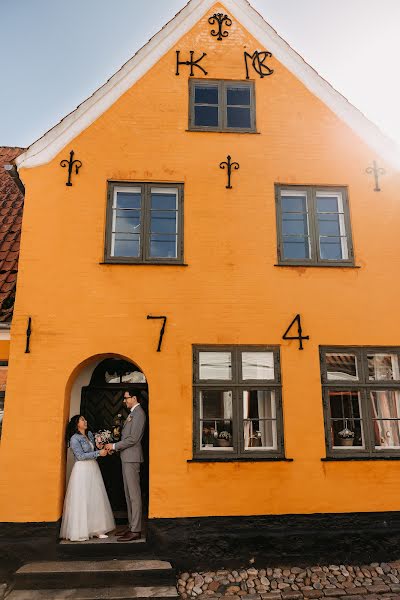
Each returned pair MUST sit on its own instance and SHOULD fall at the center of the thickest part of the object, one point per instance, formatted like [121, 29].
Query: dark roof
[11, 207]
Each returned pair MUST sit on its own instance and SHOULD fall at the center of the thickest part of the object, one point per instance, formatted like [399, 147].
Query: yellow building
[225, 186]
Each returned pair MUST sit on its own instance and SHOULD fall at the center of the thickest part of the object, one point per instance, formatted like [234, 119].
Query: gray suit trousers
[131, 475]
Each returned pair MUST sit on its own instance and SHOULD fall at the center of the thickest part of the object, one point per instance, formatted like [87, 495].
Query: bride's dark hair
[72, 428]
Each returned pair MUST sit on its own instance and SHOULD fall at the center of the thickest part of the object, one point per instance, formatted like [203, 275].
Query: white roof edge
[52, 142]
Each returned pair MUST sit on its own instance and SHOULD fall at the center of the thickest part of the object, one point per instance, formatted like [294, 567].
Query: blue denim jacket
[81, 448]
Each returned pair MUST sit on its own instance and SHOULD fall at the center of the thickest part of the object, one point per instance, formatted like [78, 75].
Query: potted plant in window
[224, 439]
[346, 436]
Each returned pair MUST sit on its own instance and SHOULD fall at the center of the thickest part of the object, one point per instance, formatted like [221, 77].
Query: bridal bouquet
[103, 437]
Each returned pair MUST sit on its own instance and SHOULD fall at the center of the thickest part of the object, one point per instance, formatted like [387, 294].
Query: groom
[131, 456]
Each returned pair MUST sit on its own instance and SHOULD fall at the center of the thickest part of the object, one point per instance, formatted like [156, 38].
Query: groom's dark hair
[134, 392]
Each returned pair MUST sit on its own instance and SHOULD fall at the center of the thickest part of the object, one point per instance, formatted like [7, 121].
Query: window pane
[163, 200]
[259, 424]
[297, 204]
[258, 365]
[341, 367]
[129, 199]
[296, 249]
[238, 95]
[163, 246]
[296, 241]
[206, 94]
[331, 227]
[215, 365]
[163, 221]
[127, 221]
[386, 418]
[346, 425]
[327, 204]
[294, 224]
[124, 244]
[238, 117]
[383, 367]
[332, 248]
[206, 116]
[216, 419]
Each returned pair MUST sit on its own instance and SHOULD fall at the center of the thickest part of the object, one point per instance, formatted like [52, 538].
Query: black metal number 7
[164, 319]
[300, 335]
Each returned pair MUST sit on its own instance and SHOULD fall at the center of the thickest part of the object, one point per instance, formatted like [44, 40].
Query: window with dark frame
[237, 397]
[361, 397]
[313, 225]
[221, 105]
[144, 223]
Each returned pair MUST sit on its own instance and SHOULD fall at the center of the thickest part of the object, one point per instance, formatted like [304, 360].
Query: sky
[55, 53]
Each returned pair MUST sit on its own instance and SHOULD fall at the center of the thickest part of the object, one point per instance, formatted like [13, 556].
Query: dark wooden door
[100, 406]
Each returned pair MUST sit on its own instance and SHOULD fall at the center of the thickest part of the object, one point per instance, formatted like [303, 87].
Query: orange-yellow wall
[230, 292]
[4, 349]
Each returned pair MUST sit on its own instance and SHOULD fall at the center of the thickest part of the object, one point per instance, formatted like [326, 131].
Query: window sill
[223, 131]
[321, 265]
[347, 458]
[210, 459]
[144, 264]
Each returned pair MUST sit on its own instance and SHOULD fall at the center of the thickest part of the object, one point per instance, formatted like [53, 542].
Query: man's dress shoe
[130, 536]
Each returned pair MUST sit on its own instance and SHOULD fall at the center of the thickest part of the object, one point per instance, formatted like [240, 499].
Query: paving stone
[214, 585]
[336, 592]
[378, 588]
[291, 595]
[395, 587]
[312, 593]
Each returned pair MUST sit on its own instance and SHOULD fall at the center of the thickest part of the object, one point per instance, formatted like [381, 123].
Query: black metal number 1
[300, 335]
[164, 319]
[28, 336]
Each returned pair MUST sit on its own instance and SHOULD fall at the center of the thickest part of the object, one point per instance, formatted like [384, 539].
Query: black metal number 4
[164, 319]
[300, 335]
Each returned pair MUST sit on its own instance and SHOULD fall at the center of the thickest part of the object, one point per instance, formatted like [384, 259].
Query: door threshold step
[92, 566]
[112, 539]
[111, 593]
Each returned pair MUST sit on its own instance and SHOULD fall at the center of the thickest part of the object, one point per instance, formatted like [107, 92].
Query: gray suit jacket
[132, 432]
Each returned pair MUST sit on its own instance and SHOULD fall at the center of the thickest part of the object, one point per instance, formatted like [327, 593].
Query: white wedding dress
[87, 511]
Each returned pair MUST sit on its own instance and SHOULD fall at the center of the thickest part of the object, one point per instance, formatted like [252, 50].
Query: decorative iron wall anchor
[220, 19]
[70, 164]
[257, 62]
[164, 319]
[300, 335]
[190, 63]
[376, 171]
[28, 335]
[229, 165]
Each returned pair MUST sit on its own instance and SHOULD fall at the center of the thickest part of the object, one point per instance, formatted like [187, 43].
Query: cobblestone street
[350, 582]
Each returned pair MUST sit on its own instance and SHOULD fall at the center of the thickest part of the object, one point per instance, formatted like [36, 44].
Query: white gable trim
[48, 146]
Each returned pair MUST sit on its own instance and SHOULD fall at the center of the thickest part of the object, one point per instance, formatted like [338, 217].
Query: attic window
[221, 106]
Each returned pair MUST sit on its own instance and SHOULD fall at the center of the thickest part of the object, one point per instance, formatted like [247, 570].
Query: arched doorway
[101, 404]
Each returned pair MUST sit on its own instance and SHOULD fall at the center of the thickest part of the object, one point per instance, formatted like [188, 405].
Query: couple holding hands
[87, 512]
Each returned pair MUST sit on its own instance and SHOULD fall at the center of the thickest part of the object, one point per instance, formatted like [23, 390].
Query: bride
[87, 511]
